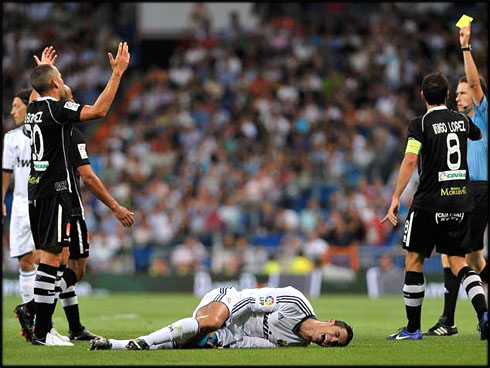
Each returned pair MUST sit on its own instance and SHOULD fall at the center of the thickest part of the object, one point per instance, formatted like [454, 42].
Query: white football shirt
[17, 159]
[273, 314]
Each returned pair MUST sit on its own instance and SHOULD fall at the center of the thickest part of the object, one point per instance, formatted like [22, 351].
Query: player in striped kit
[225, 317]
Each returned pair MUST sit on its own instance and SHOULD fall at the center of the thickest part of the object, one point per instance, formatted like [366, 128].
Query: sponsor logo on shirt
[444, 216]
[60, 185]
[453, 191]
[452, 175]
[41, 165]
[23, 163]
[70, 105]
[34, 180]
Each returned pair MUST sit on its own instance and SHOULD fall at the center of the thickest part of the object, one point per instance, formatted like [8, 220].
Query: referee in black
[438, 217]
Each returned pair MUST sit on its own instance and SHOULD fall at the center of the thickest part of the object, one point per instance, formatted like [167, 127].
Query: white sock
[118, 344]
[165, 345]
[177, 331]
[26, 284]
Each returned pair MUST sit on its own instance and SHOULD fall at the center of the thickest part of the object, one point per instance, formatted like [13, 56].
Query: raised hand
[464, 35]
[121, 62]
[47, 57]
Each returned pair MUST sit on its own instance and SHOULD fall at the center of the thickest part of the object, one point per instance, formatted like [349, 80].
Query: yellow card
[464, 21]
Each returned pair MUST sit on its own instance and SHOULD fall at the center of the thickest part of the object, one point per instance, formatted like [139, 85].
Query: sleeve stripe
[7, 170]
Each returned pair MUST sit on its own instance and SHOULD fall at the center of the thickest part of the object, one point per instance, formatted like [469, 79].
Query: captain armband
[413, 146]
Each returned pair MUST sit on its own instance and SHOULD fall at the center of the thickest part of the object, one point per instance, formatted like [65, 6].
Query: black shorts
[50, 222]
[448, 232]
[478, 192]
[79, 245]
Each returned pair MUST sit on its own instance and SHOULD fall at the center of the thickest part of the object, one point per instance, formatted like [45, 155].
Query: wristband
[468, 48]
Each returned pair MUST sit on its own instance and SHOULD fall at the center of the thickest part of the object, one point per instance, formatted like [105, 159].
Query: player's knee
[26, 263]
[476, 263]
[210, 323]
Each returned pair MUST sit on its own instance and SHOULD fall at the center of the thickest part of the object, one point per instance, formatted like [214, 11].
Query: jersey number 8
[451, 149]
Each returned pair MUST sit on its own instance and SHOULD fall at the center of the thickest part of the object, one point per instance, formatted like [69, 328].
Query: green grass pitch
[131, 315]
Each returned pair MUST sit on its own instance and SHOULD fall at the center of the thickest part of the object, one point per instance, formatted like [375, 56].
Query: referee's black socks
[414, 292]
[472, 284]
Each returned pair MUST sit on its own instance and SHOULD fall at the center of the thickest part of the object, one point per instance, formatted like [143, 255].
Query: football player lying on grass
[251, 318]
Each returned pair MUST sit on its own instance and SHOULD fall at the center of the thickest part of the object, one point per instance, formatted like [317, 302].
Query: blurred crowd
[258, 148]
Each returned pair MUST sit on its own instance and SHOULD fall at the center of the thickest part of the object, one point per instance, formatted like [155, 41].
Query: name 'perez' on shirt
[452, 126]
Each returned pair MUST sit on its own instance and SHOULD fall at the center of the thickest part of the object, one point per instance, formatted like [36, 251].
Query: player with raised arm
[48, 122]
[225, 317]
[471, 100]
[438, 217]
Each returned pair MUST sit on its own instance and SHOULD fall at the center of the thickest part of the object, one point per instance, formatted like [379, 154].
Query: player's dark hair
[350, 332]
[483, 85]
[41, 78]
[24, 95]
[435, 87]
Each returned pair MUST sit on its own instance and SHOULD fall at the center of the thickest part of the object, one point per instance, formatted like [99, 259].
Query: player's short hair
[350, 332]
[41, 78]
[483, 85]
[435, 87]
[24, 95]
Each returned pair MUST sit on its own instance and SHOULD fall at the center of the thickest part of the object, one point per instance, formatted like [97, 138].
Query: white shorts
[228, 295]
[21, 241]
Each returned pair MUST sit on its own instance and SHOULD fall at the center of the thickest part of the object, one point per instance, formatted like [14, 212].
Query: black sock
[413, 292]
[472, 284]
[69, 300]
[451, 284]
[30, 305]
[484, 274]
[44, 297]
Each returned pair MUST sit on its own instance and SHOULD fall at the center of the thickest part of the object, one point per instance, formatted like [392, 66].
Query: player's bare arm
[5, 185]
[101, 106]
[469, 65]
[406, 169]
[92, 181]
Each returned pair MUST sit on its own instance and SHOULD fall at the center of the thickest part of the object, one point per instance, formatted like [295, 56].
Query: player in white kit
[16, 161]
[251, 318]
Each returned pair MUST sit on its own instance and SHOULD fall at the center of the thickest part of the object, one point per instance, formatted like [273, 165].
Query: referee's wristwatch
[467, 48]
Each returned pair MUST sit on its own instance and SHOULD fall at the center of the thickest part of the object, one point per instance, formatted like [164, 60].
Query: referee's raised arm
[101, 106]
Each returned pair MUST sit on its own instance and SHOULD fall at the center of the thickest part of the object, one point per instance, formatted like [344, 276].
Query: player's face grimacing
[463, 97]
[330, 335]
[18, 111]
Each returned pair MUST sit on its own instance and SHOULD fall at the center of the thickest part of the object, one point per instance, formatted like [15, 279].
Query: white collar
[437, 108]
[46, 98]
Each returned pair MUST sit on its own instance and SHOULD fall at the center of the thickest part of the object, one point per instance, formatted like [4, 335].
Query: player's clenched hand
[464, 35]
[392, 212]
[121, 62]
[125, 216]
[47, 57]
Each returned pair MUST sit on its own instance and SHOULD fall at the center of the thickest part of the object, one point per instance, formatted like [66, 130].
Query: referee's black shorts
[79, 245]
[478, 192]
[449, 233]
[50, 222]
